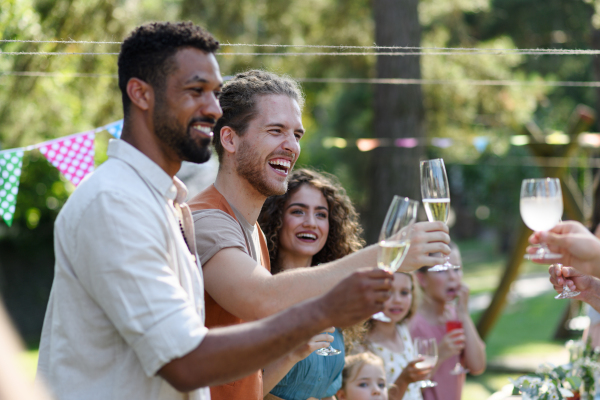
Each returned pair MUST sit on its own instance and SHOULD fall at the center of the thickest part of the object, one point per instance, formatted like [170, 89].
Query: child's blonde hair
[354, 363]
[370, 324]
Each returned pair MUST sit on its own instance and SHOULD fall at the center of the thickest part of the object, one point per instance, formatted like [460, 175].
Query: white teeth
[283, 163]
[204, 129]
[307, 236]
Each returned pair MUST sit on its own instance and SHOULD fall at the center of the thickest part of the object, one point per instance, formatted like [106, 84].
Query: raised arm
[474, 351]
[227, 354]
[250, 292]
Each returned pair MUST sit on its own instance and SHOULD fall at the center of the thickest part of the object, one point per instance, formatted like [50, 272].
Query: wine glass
[426, 349]
[394, 238]
[450, 326]
[436, 197]
[541, 209]
[328, 351]
[566, 293]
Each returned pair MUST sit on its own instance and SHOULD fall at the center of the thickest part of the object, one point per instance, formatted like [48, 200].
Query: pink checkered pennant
[73, 155]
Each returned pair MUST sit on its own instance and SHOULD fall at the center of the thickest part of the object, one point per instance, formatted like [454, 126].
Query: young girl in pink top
[456, 345]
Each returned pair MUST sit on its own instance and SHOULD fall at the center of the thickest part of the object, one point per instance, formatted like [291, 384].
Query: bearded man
[125, 318]
[258, 141]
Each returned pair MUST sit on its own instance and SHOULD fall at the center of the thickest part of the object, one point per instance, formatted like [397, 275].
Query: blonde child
[393, 343]
[456, 346]
[363, 378]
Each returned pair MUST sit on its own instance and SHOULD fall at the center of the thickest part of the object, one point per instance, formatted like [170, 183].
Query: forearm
[396, 391]
[230, 353]
[592, 295]
[475, 357]
[276, 371]
[291, 287]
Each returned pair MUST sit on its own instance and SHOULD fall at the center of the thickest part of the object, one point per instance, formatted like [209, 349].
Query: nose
[310, 220]
[212, 107]
[376, 390]
[292, 145]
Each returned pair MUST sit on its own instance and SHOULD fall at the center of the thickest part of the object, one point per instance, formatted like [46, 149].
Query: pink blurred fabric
[449, 387]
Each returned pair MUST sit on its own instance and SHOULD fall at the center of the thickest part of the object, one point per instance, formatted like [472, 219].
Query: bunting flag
[114, 128]
[11, 163]
[73, 155]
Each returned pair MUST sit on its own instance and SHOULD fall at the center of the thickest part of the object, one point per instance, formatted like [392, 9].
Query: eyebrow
[305, 206]
[199, 79]
[279, 125]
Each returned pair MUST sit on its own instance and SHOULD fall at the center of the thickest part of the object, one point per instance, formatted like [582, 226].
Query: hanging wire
[373, 81]
[418, 50]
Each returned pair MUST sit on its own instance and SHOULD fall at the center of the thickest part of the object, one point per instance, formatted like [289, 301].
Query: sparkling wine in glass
[450, 326]
[436, 197]
[566, 293]
[426, 349]
[394, 238]
[541, 209]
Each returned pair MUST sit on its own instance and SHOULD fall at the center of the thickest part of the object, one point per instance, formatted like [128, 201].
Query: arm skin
[230, 353]
[408, 375]
[579, 247]
[589, 286]
[474, 352]
[276, 371]
[250, 292]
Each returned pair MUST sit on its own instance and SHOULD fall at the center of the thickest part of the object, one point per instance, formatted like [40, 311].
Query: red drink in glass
[452, 325]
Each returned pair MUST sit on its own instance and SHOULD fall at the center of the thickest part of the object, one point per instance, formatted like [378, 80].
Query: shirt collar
[170, 188]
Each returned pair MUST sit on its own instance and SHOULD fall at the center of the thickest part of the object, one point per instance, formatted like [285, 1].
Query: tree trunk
[398, 112]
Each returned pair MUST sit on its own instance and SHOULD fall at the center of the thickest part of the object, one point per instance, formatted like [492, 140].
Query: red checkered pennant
[73, 155]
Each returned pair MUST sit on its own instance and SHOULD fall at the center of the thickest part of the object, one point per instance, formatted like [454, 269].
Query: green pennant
[10, 174]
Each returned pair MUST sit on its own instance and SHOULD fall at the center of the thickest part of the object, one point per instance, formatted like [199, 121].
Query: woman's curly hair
[344, 230]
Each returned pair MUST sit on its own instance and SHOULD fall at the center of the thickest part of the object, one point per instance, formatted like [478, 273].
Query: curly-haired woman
[313, 223]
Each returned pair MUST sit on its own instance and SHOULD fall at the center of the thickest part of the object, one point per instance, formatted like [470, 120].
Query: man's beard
[178, 137]
[249, 166]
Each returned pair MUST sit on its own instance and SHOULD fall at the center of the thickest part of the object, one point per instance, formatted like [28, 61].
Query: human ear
[341, 395]
[140, 93]
[228, 139]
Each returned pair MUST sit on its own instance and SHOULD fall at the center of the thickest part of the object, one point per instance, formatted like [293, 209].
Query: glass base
[380, 316]
[459, 370]
[328, 351]
[441, 267]
[567, 293]
[427, 384]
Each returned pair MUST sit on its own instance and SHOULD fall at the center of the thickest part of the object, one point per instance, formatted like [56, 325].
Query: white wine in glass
[436, 197]
[426, 349]
[394, 238]
[541, 209]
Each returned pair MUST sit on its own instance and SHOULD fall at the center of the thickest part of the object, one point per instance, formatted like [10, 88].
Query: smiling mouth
[307, 237]
[204, 130]
[281, 165]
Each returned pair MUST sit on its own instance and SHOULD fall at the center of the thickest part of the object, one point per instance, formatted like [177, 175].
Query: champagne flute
[450, 326]
[566, 293]
[426, 349]
[436, 197]
[394, 238]
[541, 209]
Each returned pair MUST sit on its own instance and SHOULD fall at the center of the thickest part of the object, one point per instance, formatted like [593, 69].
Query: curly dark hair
[147, 53]
[344, 230]
[238, 100]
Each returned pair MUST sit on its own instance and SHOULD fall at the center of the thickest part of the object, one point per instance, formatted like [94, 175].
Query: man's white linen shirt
[128, 295]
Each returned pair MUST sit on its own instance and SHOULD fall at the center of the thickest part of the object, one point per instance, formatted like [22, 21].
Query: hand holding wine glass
[541, 208]
[455, 325]
[394, 238]
[436, 197]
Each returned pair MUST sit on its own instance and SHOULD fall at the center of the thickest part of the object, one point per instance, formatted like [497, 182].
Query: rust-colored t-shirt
[226, 230]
